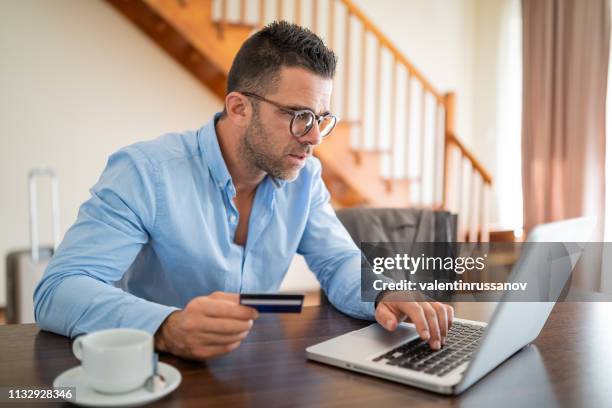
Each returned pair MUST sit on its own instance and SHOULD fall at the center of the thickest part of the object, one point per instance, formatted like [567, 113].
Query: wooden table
[570, 365]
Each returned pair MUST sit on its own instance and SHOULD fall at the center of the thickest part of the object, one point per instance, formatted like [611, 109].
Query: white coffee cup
[115, 360]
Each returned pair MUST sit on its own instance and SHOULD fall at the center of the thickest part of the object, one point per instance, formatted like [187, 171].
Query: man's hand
[432, 319]
[209, 326]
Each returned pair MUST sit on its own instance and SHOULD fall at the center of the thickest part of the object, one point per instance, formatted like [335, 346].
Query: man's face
[268, 144]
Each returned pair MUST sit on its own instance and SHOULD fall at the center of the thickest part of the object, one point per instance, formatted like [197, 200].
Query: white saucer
[87, 397]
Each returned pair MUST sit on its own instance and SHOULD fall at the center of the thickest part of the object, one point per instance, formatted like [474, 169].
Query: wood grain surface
[569, 365]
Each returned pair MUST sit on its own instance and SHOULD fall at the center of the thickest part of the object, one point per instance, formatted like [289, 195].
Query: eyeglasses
[303, 119]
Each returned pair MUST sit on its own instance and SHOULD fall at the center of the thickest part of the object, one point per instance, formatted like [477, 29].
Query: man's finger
[432, 322]
[442, 320]
[217, 339]
[385, 317]
[414, 311]
[232, 297]
[450, 314]
[223, 308]
[225, 326]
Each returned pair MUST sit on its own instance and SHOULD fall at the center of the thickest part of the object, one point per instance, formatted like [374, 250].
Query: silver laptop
[472, 348]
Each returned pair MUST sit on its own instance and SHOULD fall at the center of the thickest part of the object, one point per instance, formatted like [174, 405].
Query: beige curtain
[565, 64]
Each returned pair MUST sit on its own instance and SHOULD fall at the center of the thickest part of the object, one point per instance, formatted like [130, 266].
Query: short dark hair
[257, 65]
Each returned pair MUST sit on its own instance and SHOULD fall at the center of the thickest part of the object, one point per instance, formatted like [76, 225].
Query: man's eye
[304, 117]
[288, 113]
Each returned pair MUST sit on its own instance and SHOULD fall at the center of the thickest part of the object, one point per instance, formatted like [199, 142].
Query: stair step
[364, 178]
[235, 26]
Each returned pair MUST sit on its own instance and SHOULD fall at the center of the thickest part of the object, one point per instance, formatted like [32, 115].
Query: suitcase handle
[34, 239]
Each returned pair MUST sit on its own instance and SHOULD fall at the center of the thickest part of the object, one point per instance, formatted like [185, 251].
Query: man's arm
[333, 256]
[76, 294]
[331, 253]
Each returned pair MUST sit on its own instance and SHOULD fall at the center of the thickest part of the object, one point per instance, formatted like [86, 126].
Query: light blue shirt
[159, 230]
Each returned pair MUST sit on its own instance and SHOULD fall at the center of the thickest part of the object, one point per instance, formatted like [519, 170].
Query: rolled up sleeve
[77, 294]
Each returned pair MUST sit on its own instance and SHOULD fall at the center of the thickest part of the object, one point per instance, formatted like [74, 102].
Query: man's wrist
[160, 337]
[159, 341]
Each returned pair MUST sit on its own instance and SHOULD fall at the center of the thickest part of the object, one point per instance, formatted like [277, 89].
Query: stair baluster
[188, 35]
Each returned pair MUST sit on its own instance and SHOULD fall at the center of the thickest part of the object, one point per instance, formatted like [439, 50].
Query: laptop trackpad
[382, 337]
[363, 343]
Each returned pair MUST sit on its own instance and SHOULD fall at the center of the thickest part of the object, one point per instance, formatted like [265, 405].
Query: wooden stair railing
[393, 117]
[460, 181]
[468, 194]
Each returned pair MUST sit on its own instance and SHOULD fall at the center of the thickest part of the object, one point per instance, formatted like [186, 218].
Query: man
[177, 226]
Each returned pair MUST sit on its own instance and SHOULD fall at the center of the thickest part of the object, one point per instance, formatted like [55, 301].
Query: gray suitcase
[25, 268]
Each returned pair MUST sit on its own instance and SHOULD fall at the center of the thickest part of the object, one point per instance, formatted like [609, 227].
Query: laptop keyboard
[461, 343]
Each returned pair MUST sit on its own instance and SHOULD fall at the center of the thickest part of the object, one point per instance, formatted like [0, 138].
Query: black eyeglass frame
[296, 113]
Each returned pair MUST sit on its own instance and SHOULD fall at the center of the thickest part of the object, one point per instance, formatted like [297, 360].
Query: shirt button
[232, 218]
[221, 185]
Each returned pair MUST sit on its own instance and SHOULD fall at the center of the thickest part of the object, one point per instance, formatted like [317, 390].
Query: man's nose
[313, 137]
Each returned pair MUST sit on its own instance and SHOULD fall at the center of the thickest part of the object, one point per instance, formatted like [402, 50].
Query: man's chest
[208, 253]
[243, 205]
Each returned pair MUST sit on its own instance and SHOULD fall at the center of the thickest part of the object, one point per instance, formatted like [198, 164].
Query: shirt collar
[209, 145]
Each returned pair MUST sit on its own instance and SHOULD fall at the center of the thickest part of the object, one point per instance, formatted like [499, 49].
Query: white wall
[486, 69]
[78, 81]
[439, 37]
[497, 106]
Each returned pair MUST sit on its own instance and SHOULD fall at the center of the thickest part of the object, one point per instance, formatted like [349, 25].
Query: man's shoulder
[155, 153]
[165, 148]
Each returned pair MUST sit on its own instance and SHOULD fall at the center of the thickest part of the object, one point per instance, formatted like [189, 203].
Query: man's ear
[239, 109]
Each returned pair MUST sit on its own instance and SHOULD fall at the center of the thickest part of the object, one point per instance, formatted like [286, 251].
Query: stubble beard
[256, 149]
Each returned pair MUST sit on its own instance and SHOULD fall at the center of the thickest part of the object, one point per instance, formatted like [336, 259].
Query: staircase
[396, 145]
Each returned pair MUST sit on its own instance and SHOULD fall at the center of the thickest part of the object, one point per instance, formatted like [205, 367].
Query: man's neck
[245, 178]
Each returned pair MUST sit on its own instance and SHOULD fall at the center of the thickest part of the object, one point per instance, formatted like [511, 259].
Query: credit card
[273, 303]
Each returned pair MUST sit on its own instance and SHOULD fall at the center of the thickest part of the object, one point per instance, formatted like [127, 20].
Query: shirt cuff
[147, 316]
